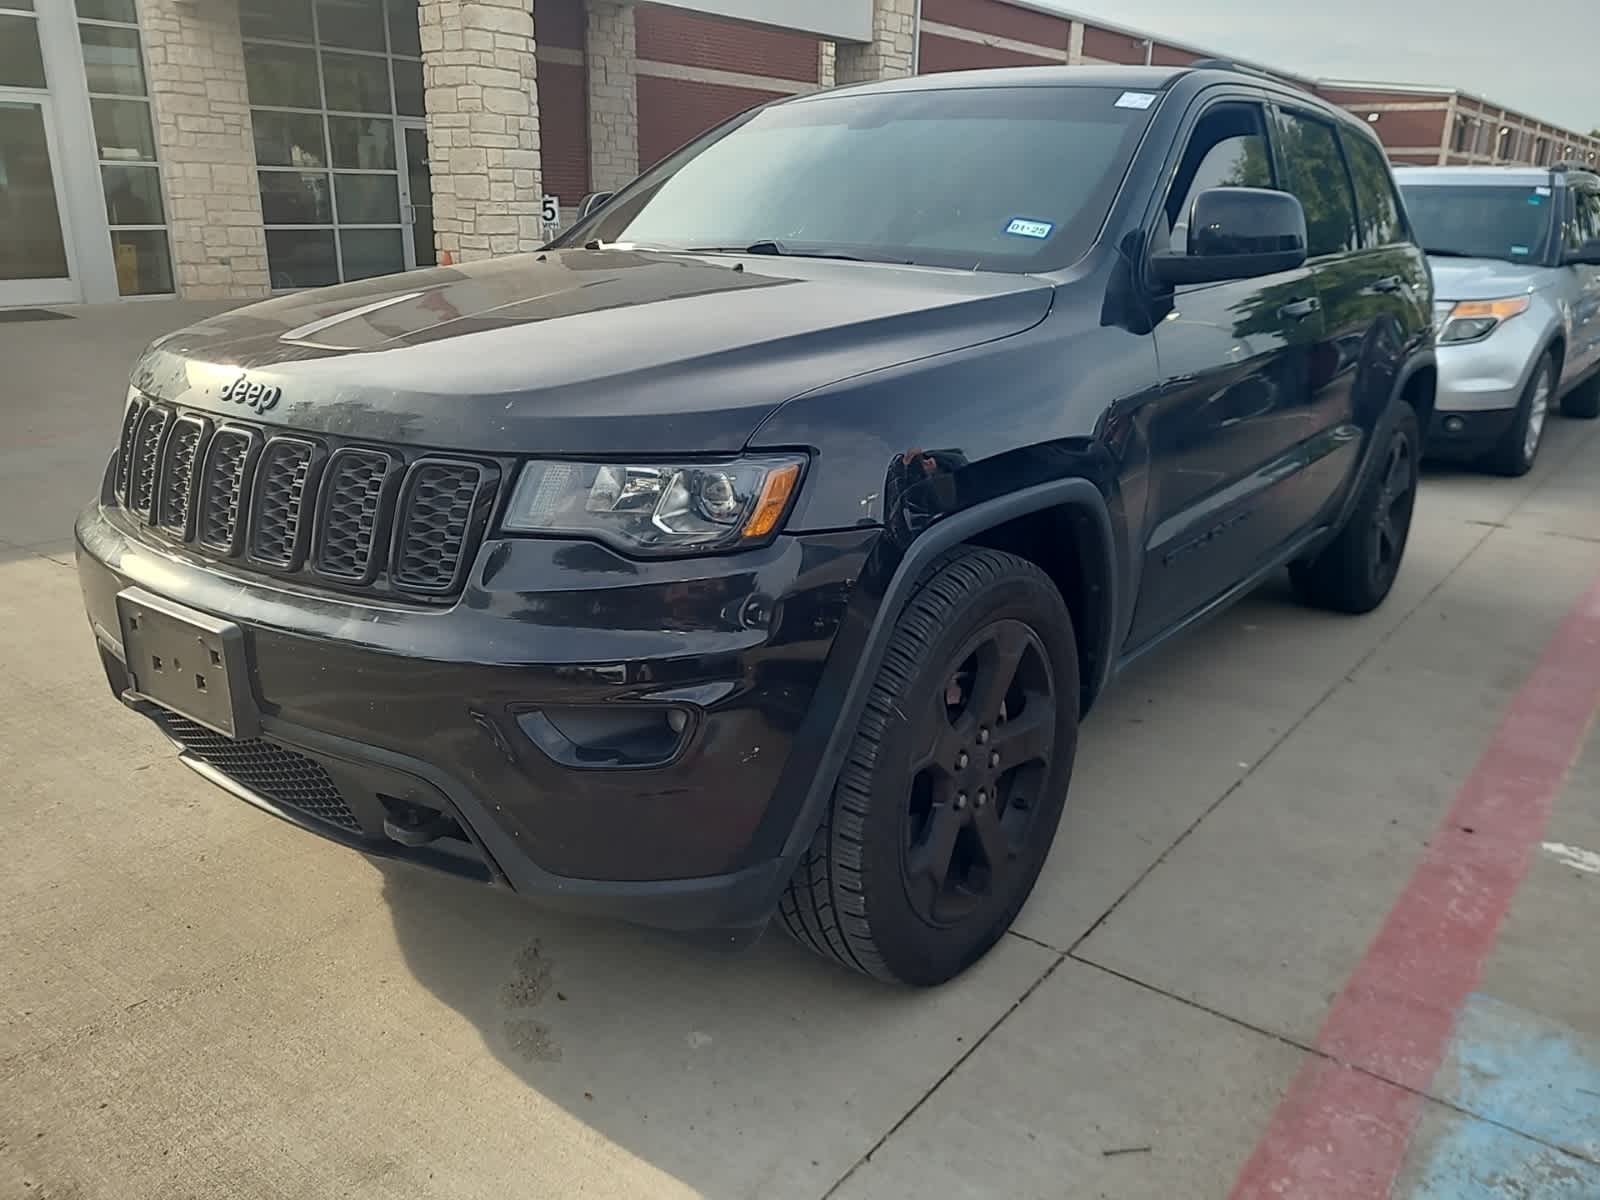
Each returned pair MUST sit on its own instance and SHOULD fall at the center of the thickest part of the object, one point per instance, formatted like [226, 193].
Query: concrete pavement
[197, 1000]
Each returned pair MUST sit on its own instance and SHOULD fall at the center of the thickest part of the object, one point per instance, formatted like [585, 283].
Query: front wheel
[950, 795]
[1355, 573]
[1514, 454]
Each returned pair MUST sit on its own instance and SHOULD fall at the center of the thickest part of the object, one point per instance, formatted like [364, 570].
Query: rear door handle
[1300, 309]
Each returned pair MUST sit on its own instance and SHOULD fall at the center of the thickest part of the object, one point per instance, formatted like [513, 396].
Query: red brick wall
[952, 54]
[675, 111]
[564, 130]
[559, 23]
[1003, 20]
[1112, 46]
[1412, 129]
[1173, 56]
[688, 39]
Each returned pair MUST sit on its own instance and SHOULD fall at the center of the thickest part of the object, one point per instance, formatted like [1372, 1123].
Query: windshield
[1006, 179]
[1483, 221]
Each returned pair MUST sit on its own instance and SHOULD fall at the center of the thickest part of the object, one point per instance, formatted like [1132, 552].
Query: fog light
[1454, 424]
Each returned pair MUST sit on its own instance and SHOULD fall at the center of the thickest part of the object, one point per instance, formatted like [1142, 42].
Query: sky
[1480, 46]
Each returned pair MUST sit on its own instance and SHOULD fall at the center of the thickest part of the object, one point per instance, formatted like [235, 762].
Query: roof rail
[1574, 164]
[1227, 64]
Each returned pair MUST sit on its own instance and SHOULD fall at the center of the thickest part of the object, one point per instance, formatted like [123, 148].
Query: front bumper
[407, 712]
[1491, 375]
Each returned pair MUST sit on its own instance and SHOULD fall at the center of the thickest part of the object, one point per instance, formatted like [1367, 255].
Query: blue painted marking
[1532, 1076]
[1478, 1161]
[1527, 1073]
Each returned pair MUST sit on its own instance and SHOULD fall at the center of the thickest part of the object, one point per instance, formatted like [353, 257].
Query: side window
[1227, 149]
[1376, 203]
[1318, 177]
[1585, 225]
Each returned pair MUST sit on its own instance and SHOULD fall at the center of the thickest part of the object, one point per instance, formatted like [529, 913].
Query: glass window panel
[288, 139]
[281, 75]
[101, 10]
[1317, 176]
[403, 36]
[363, 143]
[133, 195]
[295, 198]
[112, 60]
[144, 265]
[368, 199]
[122, 130]
[31, 246]
[408, 88]
[356, 83]
[25, 5]
[356, 24]
[21, 65]
[284, 20]
[301, 257]
[369, 252]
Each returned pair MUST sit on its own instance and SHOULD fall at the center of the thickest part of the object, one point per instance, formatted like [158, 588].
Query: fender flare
[944, 535]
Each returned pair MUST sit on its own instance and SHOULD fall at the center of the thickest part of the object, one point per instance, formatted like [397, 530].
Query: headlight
[1473, 320]
[657, 508]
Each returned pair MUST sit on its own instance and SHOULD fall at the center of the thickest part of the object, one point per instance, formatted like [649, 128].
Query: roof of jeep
[1143, 79]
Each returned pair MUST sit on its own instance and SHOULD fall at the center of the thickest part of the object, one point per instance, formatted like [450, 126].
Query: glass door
[416, 187]
[35, 260]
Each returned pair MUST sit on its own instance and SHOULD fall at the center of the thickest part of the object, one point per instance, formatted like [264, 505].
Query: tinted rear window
[1013, 179]
[1482, 220]
[1377, 206]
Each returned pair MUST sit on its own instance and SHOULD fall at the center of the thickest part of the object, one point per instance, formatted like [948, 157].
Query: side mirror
[592, 202]
[1237, 233]
[1586, 255]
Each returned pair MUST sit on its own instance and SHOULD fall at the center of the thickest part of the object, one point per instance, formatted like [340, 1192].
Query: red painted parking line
[1340, 1133]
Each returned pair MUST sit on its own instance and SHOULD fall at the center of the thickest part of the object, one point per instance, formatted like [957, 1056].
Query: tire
[900, 880]
[1518, 448]
[1357, 570]
[1583, 402]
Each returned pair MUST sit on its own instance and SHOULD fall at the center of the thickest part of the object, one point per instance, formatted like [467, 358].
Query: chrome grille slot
[433, 525]
[179, 461]
[228, 461]
[283, 478]
[349, 526]
[146, 459]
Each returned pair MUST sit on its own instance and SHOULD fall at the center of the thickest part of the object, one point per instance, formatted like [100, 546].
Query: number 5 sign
[550, 210]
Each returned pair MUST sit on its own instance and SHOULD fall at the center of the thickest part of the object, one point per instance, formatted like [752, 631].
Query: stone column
[206, 148]
[480, 79]
[890, 53]
[826, 64]
[611, 49]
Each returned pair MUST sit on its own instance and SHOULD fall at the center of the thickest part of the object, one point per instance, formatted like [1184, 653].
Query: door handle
[1391, 283]
[1300, 309]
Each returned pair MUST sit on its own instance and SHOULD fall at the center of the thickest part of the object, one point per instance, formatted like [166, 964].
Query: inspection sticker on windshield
[1521, 250]
[1139, 100]
[1022, 227]
[1541, 191]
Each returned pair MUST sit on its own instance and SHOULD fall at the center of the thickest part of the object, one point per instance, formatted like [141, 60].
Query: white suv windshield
[1012, 178]
[1482, 220]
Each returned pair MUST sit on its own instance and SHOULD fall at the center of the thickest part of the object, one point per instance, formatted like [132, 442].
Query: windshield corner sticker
[1541, 191]
[1139, 100]
[1022, 227]
[1521, 250]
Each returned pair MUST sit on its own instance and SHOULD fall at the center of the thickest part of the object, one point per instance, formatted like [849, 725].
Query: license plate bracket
[189, 662]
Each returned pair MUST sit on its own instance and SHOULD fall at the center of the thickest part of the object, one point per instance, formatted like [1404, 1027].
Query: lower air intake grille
[272, 772]
[222, 488]
[435, 516]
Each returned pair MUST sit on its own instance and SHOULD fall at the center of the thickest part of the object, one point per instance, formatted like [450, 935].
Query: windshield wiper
[1454, 254]
[779, 249]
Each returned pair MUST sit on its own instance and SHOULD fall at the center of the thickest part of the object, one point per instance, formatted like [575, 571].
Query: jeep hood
[1458, 279]
[580, 351]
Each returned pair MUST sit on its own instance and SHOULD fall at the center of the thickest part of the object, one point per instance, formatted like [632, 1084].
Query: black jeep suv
[756, 548]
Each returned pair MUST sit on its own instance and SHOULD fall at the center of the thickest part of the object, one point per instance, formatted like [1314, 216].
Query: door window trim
[1156, 207]
[1301, 113]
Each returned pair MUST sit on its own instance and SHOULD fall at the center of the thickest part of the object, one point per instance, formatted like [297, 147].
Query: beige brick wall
[480, 75]
[613, 95]
[206, 146]
[889, 54]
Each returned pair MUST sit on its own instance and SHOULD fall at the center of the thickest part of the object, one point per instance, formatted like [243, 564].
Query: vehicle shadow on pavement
[764, 1071]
